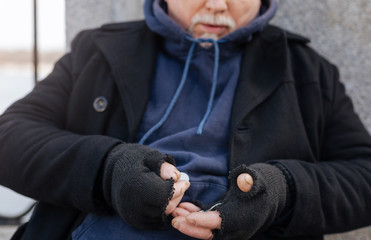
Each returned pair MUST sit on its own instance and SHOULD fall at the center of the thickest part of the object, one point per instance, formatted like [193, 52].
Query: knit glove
[132, 185]
[244, 214]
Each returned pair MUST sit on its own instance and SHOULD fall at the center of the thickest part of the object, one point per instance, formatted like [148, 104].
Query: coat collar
[264, 68]
[131, 50]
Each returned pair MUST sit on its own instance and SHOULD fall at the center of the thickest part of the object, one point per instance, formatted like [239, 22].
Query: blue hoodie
[188, 113]
[195, 130]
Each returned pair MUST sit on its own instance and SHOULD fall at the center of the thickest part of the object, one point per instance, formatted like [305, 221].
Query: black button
[100, 104]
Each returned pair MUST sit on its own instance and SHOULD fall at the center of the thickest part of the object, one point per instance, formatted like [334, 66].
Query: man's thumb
[245, 182]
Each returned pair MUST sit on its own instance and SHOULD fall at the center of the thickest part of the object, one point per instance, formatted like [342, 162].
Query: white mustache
[212, 20]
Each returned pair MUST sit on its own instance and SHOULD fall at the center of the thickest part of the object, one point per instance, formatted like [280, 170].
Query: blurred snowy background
[16, 67]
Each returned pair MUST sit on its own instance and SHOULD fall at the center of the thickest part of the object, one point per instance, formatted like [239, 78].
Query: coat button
[100, 104]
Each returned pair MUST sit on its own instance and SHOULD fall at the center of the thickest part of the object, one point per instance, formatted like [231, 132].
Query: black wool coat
[289, 107]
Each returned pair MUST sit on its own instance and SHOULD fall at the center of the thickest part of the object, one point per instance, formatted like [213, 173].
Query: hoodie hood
[179, 43]
[158, 21]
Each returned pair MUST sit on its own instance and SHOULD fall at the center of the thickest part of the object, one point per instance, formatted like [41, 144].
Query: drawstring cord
[181, 85]
[175, 97]
[213, 86]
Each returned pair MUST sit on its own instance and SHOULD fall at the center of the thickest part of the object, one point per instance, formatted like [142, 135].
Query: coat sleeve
[40, 159]
[334, 194]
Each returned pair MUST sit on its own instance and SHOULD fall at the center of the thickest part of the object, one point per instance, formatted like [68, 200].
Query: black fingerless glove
[244, 214]
[132, 185]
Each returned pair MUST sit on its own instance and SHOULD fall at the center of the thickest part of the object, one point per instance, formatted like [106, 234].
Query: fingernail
[248, 179]
[191, 220]
[175, 224]
[177, 175]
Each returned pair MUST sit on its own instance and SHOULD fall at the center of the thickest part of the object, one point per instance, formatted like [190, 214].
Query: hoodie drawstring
[181, 85]
[214, 83]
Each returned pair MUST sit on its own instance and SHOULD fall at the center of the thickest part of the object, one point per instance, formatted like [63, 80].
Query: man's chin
[210, 36]
[207, 36]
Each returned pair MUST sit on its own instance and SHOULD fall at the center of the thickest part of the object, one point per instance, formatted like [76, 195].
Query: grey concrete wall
[339, 30]
[82, 14]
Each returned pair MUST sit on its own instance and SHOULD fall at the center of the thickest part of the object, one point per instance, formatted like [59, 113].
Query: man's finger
[191, 230]
[179, 212]
[245, 182]
[179, 190]
[169, 171]
[173, 203]
[190, 207]
[210, 220]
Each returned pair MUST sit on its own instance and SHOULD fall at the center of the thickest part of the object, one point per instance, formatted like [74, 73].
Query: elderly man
[258, 121]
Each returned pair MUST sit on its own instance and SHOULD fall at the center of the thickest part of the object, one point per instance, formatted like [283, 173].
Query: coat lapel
[130, 50]
[263, 70]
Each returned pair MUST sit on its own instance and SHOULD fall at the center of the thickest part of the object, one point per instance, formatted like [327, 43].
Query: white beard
[212, 20]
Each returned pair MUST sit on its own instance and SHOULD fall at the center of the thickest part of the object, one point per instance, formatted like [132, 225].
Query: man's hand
[246, 210]
[256, 197]
[189, 220]
[141, 185]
